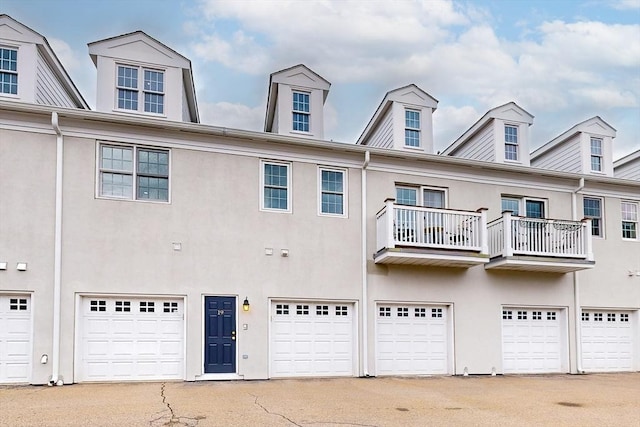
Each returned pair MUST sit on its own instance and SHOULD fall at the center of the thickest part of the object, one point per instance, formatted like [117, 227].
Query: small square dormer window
[412, 128]
[510, 142]
[8, 71]
[301, 111]
[596, 154]
[129, 90]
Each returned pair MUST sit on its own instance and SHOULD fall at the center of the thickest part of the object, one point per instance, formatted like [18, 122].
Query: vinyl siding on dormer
[383, 135]
[629, 171]
[49, 91]
[566, 157]
[480, 146]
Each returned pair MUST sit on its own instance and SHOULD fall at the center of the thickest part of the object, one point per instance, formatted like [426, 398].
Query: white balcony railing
[514, 235]
[418, 227]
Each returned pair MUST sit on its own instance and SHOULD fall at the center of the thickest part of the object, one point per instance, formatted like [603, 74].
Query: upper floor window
[629, 220]
[596, 154]
[128, 87]
[421, 196]
[8, 71]
[510, 142]
[593, 210]
[332, 191]
[301, 111]
[532, 208]
[123, 165]
[276, 186]
[412, 128]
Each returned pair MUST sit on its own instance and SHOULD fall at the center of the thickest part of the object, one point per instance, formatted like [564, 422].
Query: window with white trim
[301, 111]
[128, 89]
[629, 220]
[121, 166]
[8, 71]
[532, 208]
[596, 154]
[276, 186]
[333, 191]
[412, 128]
[592, 209]
[511, 142]
[428, 197]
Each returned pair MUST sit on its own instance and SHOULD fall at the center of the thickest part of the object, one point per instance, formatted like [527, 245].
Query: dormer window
[301, 111]
[412, 128]
[129, 89]
[510, 142]
[8, 71]
[596, 154]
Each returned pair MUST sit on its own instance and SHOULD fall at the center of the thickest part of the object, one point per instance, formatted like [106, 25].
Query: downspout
[364, 304]
[576, 285]
[57, 263]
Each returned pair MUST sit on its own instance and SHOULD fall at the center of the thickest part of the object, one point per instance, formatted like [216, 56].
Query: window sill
[299, 132]
[122, 199]
[328, 215]
[279, 211]
[410, 147]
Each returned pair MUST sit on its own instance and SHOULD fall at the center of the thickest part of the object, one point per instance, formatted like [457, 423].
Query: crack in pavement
[173, 419]
[273, 413]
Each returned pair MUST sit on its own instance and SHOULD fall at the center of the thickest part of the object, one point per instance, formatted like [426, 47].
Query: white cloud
[236, 116]
[447, 122]
[79, 67]
[625, 4]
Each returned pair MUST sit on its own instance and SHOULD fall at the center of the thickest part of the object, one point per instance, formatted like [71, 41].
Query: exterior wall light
[21, 266]
[245, 304]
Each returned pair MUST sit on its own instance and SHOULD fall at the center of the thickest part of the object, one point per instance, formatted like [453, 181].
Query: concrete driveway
[585, 400]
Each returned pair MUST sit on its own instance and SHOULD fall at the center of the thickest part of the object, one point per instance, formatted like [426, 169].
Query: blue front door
[220, 335]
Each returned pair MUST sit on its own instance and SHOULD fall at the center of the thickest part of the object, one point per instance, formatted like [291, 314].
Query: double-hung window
[596, 154]
[276, 186]
[411, 128]
[629, 220]
[129, 89]
[593, 210]
[301, 111]
[133, 173]
[532, 208]
[420, 196]
[333, 185]
[8, 71]
[511, 142]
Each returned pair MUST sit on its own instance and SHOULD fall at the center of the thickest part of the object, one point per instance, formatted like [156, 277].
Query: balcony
[533, 244]
[429, 236]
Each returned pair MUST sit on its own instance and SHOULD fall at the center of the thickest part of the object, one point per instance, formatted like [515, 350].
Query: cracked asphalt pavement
[554, 400]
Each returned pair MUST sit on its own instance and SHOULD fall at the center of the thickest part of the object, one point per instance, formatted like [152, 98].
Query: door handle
[233, 335]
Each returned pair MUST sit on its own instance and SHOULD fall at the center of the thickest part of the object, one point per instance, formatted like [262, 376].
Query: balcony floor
[542, 264]
[431, 257]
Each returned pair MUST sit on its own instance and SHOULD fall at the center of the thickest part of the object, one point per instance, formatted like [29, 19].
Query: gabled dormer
[500, 136]
[295, 104]
[403, 121]
[628, 167]
[586, 148]
[30, 71]
[139, 75]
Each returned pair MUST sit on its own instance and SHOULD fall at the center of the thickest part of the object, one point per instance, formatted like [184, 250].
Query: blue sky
[563, 61]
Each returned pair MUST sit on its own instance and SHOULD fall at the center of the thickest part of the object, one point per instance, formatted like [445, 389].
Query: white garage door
[411, 339]
[607, 341]
[127, 338]
[532, 340]
[312, 339]
[15, 338]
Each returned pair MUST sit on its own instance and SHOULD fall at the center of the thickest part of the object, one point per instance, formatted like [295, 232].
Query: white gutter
[364, 303]
[576, 285]
[57, 263]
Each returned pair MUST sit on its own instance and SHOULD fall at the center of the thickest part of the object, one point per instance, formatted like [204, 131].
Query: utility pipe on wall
[576, 285]
[57, 263]
[364, 304]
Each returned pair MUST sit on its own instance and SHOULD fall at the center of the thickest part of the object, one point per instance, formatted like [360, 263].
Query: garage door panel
[608, 340]
[15, 339]
[411, 339]
[310, 339]
[131, 339]
[531, 340]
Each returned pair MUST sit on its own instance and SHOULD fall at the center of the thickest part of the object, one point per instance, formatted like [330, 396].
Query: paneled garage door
[15, 338]
[411, 339]
[608, 341]
[126, 338]
[312, 339]
[533, 340]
